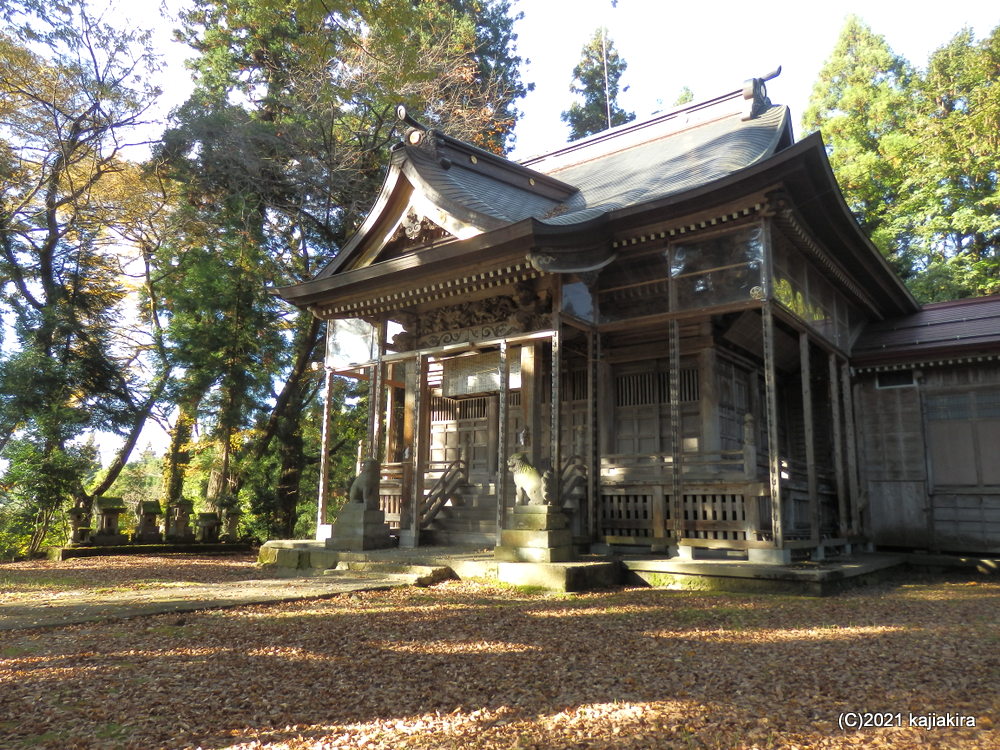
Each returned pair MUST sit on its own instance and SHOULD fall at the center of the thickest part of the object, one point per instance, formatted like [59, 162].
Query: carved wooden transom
[414, 231]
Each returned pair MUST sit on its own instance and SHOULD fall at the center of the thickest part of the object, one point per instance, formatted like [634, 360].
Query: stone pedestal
[358, 528]
[535, 533]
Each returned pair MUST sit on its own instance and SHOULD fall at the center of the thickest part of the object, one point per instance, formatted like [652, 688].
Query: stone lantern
[178, 525]
[148, 530]
[109, 509]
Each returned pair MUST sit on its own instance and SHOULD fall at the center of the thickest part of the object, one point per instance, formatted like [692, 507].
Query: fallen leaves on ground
[20, 581]
[473, 665]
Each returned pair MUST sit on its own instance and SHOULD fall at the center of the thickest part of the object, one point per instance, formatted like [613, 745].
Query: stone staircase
[468, 520]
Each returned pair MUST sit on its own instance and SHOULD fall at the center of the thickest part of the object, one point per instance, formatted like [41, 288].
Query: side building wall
[929, 441]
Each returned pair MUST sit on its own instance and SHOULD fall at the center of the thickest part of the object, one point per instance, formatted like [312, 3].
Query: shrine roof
[938, 329]
[672, 153]
[634, 163]
[467, 190]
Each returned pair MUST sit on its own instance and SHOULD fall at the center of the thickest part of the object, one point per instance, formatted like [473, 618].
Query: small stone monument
[109, 509]
[360, 524]
[79, 533]
[209, 526]
[231, 521]
[148, 530]
[535, 530]
[178, 524]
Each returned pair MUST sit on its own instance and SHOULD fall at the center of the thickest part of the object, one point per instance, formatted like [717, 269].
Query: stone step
[413, 575]
[440, 537]
[462, 524]
[471, 512]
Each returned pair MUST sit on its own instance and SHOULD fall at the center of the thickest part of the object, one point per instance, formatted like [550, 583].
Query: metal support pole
[323, 500]
[555, 452]
[676, 440]
[376, 399]
[771, 406]
[501, 483]
[420, 438]
[838, 447]
[805, 376]
[593, 452]
[852, 455]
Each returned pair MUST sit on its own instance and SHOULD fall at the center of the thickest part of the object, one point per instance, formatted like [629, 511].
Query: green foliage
[916, 154]
[597, 79]
[686, 96]
[37, 485]
[279, 152]
[66, 99]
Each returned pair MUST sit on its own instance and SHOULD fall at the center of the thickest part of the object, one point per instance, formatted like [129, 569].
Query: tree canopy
[139, 291]
[916, 153]
[597, 79]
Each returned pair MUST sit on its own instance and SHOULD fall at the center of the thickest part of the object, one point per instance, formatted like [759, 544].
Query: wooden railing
[734, 465]
[453, 476]
[390, 491]
[573, 482]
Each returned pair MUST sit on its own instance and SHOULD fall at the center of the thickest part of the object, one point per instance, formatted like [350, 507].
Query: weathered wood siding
[928, 458]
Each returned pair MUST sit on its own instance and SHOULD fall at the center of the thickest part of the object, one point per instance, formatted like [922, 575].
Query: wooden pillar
[323, 500]
[851, 446]
[531, 400]
[809, 433]
[771, 410]
[555, 413]
[838, 448]
[676, 448]
[501, 483]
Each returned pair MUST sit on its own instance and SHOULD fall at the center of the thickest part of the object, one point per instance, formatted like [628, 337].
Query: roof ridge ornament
[755, 94]
[414, 133]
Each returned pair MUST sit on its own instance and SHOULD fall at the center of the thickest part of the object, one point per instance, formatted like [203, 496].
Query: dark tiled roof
[962, 326]
[622, 167]
[479, 191]
[674, 156]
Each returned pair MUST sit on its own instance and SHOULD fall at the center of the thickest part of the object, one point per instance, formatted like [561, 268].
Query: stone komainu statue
[531, 486]
[364, 488]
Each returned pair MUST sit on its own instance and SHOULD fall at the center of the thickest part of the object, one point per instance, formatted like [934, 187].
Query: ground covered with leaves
[474, 665]
[21, 581]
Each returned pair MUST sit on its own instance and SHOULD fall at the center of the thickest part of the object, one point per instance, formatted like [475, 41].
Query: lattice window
[645, 388]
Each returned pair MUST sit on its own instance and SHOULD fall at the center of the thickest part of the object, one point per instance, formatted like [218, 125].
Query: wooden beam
[809, 433]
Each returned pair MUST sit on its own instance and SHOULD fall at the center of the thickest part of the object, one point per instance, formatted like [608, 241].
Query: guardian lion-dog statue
[364, 488]
[531, 487]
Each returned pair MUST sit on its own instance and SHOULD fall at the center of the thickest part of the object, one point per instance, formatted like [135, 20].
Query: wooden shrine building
[689, 292]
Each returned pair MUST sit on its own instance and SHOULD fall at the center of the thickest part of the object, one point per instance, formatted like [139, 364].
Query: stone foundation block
[358, 528]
